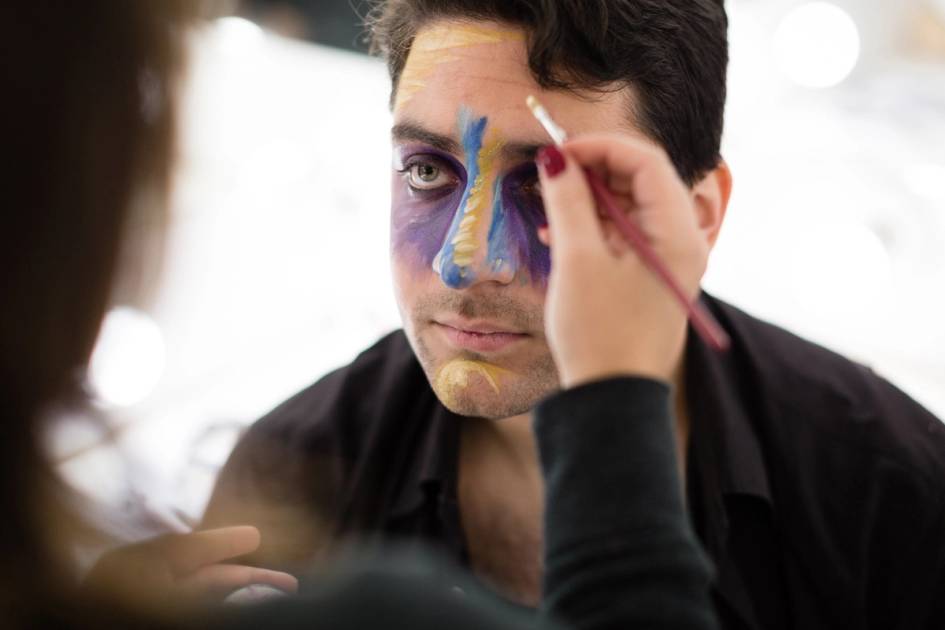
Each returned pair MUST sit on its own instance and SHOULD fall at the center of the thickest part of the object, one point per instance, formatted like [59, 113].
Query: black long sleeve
[619, 549]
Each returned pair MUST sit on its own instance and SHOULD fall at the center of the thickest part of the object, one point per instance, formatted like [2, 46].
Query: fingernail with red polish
[550, 160]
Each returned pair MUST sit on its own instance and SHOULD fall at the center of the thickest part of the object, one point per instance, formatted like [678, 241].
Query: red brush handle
[703, 322]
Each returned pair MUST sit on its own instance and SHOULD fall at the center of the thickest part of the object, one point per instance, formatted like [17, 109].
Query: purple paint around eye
[518, 212]
[421, 220]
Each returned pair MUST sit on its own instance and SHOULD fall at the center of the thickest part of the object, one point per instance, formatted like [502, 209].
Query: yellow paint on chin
[454, 376]
[465, 241]
[434, 45]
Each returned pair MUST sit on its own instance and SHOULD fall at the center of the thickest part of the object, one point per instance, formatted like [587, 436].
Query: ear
[710, 196]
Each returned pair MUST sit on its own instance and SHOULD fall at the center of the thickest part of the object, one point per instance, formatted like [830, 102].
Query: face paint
[432, 48]
[420, 220]
[443, 228]
[454, 376]
[517, 213]
[454, 261]
[490, 268]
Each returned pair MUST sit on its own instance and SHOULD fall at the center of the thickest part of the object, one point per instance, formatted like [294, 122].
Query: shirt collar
[723, 403]
[434, 464]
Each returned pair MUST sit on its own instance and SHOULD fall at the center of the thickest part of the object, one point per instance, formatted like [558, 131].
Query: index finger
[568, 202]
[186, 553]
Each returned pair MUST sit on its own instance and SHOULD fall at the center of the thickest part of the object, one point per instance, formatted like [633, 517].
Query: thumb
[569, 204]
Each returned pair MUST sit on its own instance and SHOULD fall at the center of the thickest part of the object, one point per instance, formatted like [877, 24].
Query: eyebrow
[411, 131]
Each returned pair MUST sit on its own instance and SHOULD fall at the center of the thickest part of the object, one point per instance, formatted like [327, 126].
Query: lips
[478, 336]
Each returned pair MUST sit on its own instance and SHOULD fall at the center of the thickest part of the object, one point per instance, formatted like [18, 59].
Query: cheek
[419, 225]
[410, 284]
[405, 284]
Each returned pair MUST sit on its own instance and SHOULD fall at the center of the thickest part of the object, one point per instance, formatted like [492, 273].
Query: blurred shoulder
[811, 392]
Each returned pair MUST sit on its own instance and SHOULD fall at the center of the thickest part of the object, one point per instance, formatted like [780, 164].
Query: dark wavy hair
[672, 53]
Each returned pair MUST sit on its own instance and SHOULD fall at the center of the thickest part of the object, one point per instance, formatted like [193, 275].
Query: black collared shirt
[817, 488]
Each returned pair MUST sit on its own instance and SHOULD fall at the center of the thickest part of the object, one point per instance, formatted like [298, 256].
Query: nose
[475, 248]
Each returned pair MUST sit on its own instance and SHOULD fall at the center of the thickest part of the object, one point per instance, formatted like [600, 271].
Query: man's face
[469, 272]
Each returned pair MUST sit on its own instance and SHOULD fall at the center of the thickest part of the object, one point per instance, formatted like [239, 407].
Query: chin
[484, 386]
[479, 389]
[475, 405]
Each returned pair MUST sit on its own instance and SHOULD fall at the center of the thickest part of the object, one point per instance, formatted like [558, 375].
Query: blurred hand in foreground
[182, 571]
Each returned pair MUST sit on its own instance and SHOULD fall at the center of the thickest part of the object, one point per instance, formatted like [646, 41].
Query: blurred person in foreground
[817, 487]
[90, 123]
[88, 126]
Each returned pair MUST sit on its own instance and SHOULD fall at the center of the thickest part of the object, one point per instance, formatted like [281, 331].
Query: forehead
[482, 67]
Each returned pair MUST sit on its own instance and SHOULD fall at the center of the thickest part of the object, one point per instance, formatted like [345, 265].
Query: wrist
[573, 378]
[662, 363]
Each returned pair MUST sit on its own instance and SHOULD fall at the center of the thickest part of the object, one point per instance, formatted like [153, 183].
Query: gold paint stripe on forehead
[460, 35]
[465, 241]
[432, 47]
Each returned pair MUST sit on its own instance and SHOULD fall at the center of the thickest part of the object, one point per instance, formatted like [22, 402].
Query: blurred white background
[277, 265]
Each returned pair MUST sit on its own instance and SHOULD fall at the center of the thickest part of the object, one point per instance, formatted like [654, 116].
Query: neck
[511, 438]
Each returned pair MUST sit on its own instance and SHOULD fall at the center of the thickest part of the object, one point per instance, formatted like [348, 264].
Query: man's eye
[532, 187]
[427, 176]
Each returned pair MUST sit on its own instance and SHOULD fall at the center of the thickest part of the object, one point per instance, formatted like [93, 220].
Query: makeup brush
[702, 321]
